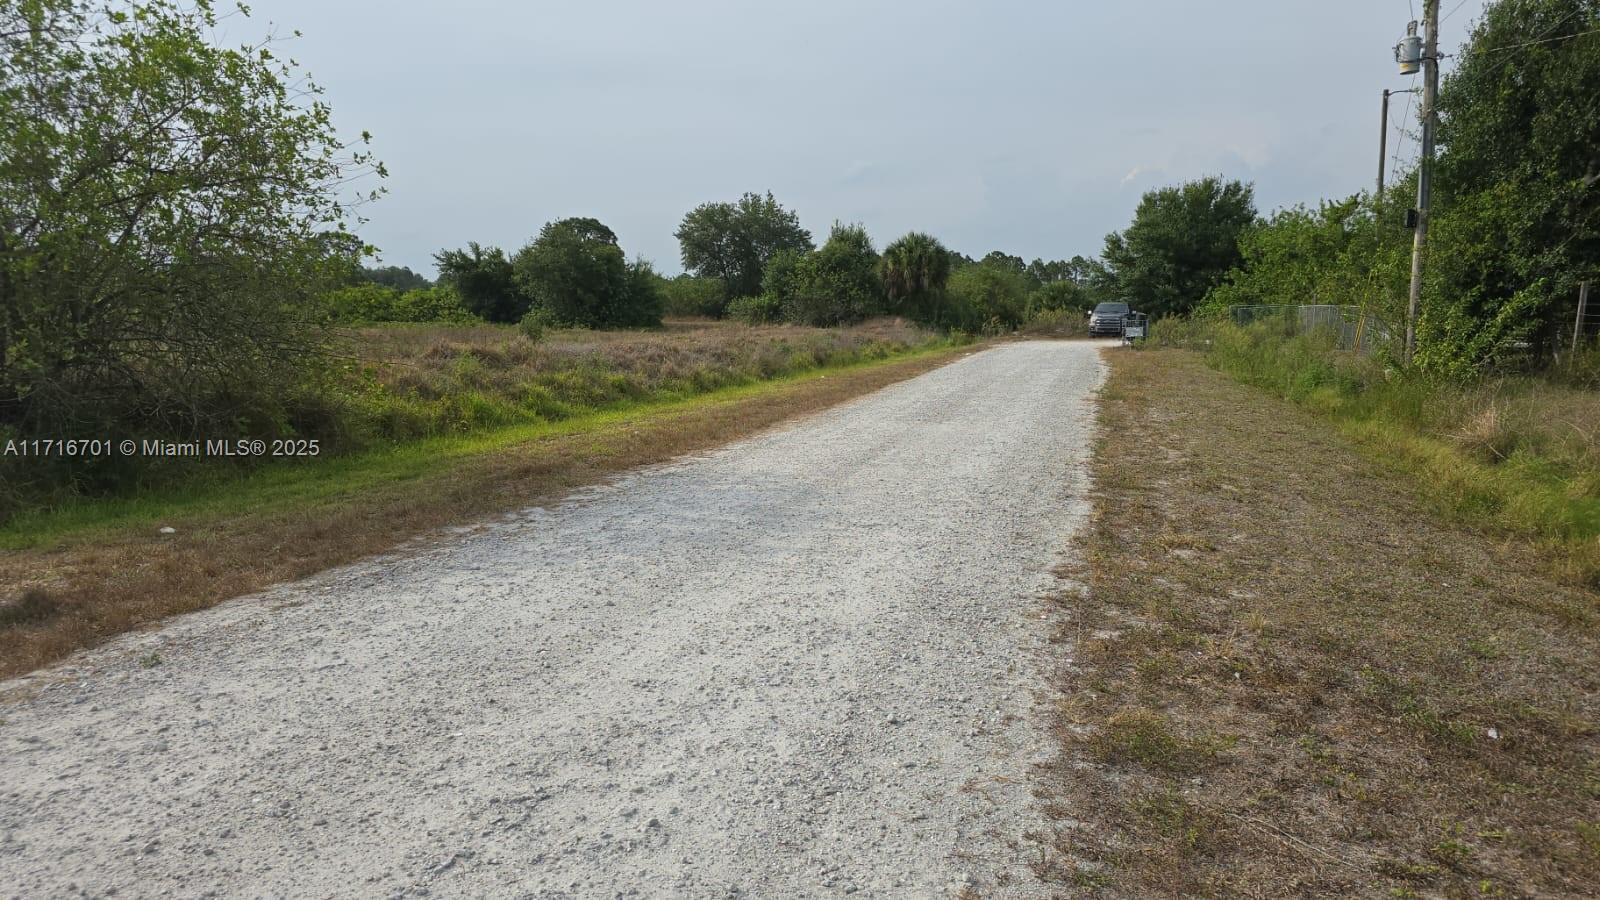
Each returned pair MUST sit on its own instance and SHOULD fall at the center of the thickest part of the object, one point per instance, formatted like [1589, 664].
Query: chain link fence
[1351, 328]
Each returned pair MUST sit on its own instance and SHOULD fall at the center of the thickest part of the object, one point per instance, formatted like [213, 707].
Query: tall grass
[1517, 453]
[403, 384]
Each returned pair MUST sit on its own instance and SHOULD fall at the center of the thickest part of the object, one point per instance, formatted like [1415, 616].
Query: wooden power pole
[1430, 93]
[1383, 143]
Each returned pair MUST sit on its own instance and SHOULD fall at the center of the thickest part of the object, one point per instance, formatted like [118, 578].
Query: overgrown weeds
[1514, 453]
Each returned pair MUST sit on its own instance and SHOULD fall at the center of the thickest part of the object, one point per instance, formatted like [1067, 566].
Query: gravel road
[806, 664]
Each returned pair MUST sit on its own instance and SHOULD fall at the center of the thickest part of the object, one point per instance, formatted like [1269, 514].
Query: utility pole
[1383, 142]
[1430, 93]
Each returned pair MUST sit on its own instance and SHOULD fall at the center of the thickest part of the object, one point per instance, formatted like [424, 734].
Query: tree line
[748, 260]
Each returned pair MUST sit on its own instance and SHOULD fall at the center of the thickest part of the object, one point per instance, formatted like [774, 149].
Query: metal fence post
[1577, 323]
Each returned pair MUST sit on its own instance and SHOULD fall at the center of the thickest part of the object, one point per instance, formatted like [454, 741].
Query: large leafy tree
[915, 270]
[733, 241]
[836, 285]
[170, 211]
[1183, 241]
[484, 278]
[1340, 253]
[575, 271]
[1517, 192]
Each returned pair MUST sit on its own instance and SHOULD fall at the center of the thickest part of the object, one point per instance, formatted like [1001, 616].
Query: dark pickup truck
[1107, 318]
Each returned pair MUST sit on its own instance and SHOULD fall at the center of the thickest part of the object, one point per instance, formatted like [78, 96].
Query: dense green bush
[575, 271]
[986, 298]
[780, 279]
[688, 295]
[1060, 296]
[486, 281]
[837, 284]
[645, 299]
[374, 303]
[763, 309]
[534, 324]
[1515, 226]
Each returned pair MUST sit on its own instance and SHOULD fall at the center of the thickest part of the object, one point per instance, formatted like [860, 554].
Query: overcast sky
[1031, 127]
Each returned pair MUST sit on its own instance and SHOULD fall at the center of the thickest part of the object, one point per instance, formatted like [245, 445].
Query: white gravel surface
[806, 664]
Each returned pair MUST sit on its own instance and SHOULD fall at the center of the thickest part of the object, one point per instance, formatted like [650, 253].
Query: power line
[1453, 11]
[1559, 37]
[1543, 38]
[1411, 95]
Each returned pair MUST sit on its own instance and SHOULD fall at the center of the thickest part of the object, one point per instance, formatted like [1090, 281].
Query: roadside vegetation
[1496, 414]
[403, 384]
[1286, 676]
[1514, 453]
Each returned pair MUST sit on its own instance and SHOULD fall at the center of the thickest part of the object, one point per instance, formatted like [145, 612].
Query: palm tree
[915, 269]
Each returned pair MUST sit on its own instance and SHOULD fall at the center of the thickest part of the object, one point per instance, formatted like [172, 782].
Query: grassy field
[81, 571]
[400, 384]
[1286, 674]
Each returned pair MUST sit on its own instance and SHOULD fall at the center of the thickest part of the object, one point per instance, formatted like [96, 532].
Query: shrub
[170, 213]
[988, 298]
[534, 324]
[1059, 296]
[575, 270]
[760, 310]
[374, 303]
[434, 304]
[644, 299]
[688, 295]
[361, 303]
[836, 285]
[484, 278]
[1057, 323]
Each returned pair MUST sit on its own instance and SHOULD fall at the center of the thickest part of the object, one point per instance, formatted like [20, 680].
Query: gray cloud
[1025, 126]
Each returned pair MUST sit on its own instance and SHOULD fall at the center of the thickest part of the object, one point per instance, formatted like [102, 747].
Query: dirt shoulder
[82, 589]
[1281, 675]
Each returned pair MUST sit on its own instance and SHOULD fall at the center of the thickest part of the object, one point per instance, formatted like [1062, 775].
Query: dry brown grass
[77, 592]
[1286, 678]
[1494, 419]
[417, 381]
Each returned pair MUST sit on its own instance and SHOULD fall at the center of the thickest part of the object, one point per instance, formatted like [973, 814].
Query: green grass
[219, 493]
[1508, 453]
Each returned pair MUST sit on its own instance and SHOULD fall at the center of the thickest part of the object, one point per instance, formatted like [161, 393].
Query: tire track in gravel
[804, 664]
